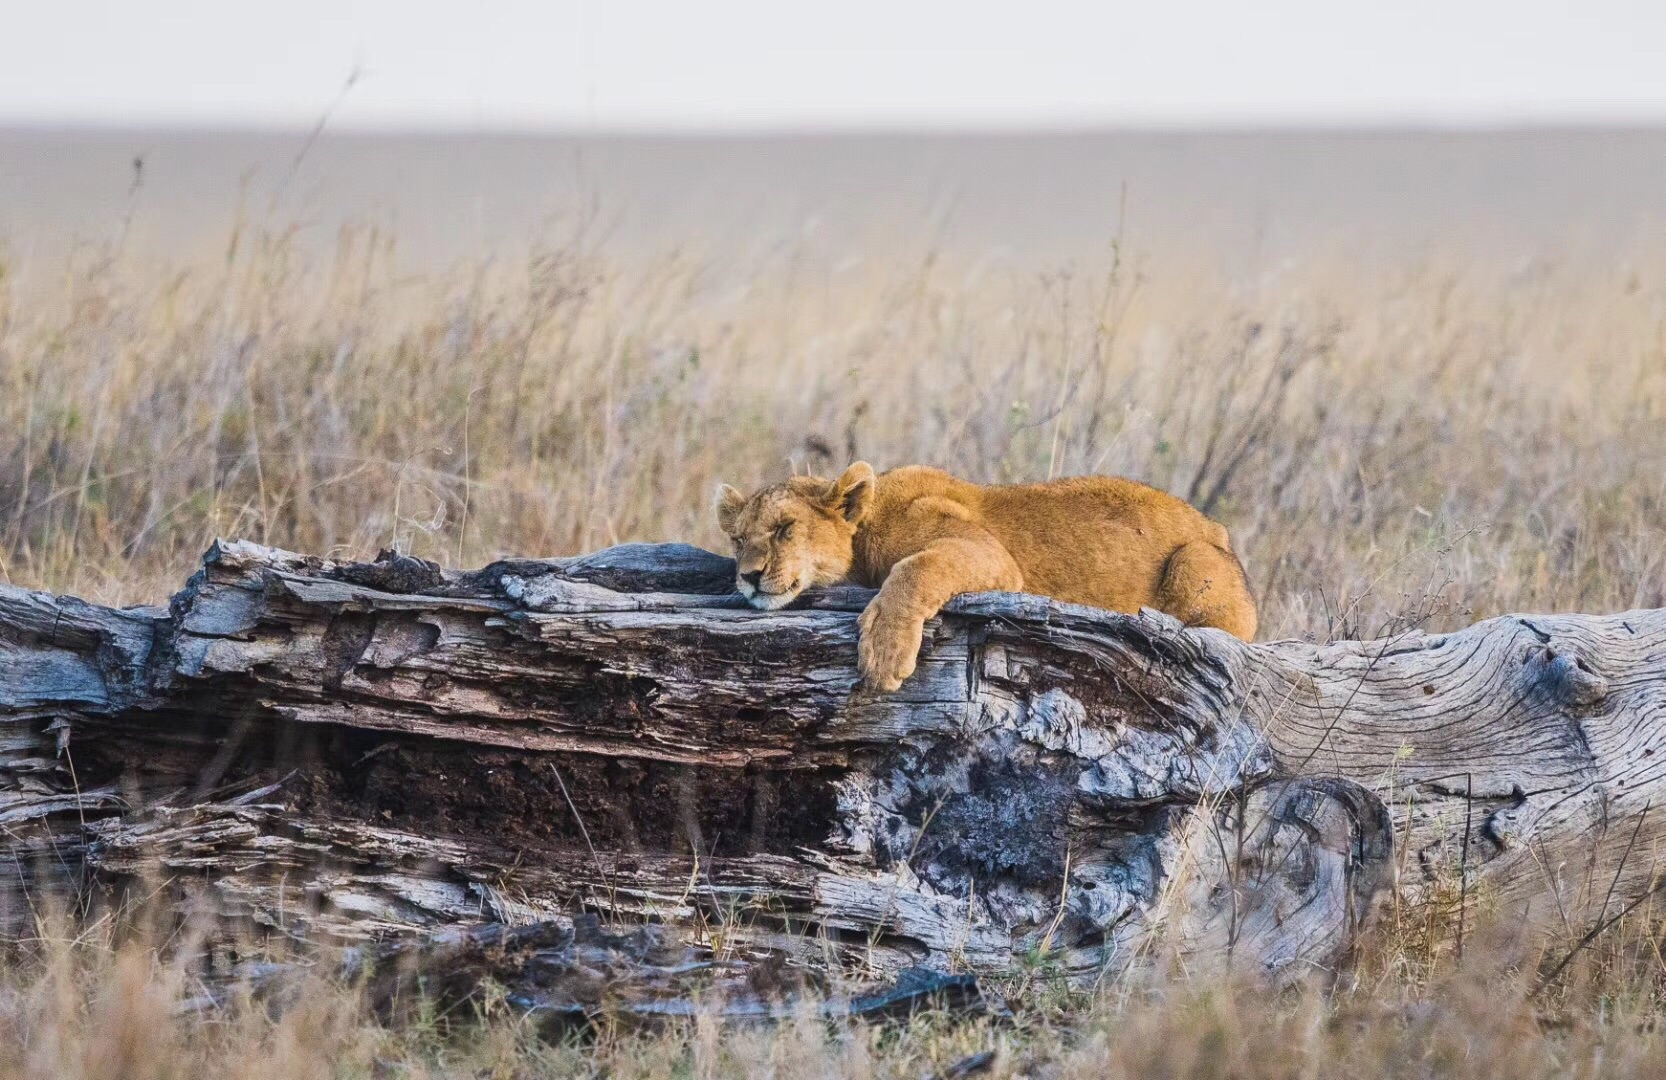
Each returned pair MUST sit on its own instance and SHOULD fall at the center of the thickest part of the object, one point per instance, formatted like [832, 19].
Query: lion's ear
[728, 502]
[851, 495]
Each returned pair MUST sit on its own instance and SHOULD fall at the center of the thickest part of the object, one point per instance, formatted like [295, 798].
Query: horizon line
[1407, 125]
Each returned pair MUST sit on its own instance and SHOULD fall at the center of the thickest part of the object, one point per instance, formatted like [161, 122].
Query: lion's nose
[752, 577]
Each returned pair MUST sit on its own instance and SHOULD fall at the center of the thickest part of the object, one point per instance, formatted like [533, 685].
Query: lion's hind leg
[1203, 585]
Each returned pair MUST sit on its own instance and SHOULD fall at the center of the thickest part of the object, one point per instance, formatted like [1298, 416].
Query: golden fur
[922, 536]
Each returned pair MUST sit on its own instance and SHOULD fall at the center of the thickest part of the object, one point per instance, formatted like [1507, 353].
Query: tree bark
[357, 752]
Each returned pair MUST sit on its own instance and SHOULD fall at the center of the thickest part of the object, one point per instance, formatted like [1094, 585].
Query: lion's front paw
[888, 647]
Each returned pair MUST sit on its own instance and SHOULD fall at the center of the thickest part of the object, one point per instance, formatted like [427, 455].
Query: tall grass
[1424, 444]
[1459, 441]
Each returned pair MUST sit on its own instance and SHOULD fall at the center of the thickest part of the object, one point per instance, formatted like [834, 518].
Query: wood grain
[338, 751]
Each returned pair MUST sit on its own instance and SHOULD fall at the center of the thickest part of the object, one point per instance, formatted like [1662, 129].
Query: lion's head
[794, 534]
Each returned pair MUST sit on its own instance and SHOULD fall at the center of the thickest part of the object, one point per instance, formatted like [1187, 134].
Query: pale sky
[742, 64]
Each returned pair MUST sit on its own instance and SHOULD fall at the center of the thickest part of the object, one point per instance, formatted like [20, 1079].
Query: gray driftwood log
[343, 752]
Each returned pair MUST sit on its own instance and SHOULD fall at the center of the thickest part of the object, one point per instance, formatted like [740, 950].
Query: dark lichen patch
[1010, 824]
[968, 816]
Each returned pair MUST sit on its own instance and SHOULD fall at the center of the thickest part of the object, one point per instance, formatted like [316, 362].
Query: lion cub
[922, 536]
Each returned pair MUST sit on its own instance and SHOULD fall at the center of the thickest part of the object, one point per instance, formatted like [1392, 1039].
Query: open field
[1417, 399]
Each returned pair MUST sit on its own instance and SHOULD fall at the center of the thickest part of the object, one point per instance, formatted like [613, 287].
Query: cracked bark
[357, 752]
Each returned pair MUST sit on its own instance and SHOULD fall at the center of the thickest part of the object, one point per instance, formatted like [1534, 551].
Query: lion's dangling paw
[889, 646]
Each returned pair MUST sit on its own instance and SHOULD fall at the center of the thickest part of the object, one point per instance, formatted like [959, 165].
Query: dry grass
[85, 1007]
[1425, 444]
[1455, 443]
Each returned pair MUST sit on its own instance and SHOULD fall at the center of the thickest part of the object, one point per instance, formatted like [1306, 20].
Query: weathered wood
[348, 751]
[576, 969]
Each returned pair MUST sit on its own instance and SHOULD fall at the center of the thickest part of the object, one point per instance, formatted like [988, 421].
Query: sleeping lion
[922, 536]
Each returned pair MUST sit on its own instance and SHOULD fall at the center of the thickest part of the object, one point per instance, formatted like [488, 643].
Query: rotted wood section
[372, 754]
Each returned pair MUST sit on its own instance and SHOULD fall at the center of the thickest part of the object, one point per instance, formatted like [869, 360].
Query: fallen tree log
[337, 752]
[578, 969]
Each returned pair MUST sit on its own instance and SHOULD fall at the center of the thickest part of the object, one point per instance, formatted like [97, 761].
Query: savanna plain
[1422, 379]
